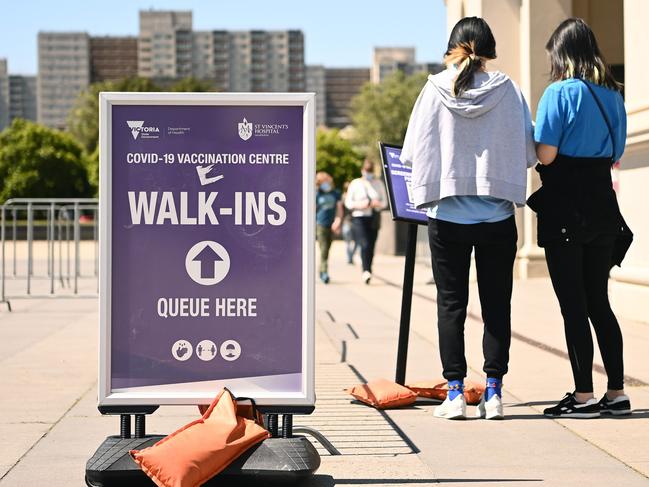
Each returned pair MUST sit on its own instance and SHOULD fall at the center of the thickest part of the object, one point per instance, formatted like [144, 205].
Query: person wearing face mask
[328, 218]
[365, 199]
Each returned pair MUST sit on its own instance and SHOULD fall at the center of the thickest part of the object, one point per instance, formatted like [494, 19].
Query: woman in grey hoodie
[470, 142]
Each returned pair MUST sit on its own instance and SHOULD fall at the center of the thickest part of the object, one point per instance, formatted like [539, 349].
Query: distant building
[63, 72]
[23, 97]
[4, 94]
[341, 85]
[315, 82]
[165, 44]
[255, 60]
[387, 60]
[166, 49]
[113, 58]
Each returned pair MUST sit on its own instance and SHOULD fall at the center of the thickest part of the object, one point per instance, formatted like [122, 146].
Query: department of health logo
[137, 127]
[245, 129]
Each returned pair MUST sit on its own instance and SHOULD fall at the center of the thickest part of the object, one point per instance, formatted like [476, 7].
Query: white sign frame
[167, 395]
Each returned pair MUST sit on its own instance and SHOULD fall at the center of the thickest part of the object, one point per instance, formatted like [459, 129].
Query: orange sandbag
[438, 389]
[383, 394]
[198, 451]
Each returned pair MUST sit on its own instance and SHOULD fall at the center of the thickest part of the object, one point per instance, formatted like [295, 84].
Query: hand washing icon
[182, 350]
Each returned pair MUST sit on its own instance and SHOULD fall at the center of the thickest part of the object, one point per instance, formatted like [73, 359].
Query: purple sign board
[206, 233]
[398, 179]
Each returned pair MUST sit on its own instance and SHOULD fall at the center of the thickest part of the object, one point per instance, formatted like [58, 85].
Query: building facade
[387, 60]
[522, 28]
[315, 82]
[165, 45]
[4, 94]
[341, 85]
[255, 60]
[166, 49]
[63, 72]
[112, 58]
[23, 97]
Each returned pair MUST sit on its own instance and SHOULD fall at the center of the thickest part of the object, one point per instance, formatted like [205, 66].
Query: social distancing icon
[206, 350]
[207, 263]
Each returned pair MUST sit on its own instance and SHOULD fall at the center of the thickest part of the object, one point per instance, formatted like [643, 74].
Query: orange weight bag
[383, 394]
[198, 451]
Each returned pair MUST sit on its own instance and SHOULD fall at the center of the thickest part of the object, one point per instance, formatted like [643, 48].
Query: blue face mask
[369, 176]
[326, 187]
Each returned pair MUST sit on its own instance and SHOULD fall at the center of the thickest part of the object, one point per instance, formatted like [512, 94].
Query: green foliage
[39, 162]
[192, 84]
[380, 112]
[83, 120]
[92, 167]
[337, 156]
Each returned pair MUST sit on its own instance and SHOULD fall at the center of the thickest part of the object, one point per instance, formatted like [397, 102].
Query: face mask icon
[230, 350]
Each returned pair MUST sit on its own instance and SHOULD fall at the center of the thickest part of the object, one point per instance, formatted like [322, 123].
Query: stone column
[630, 283]
[537, 21]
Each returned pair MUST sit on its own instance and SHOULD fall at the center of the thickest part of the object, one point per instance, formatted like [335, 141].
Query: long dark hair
[574, 53]
[471, 43]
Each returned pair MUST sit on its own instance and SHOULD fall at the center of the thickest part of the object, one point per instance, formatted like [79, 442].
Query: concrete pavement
[525, 446]
[49, 424]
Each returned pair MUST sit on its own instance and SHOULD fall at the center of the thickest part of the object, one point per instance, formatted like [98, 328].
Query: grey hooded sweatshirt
[478, 144]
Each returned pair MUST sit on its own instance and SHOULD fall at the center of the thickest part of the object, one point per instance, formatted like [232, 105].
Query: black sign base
[274, 460]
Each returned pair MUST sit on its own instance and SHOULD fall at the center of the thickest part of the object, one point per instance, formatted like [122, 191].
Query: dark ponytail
[471, 43]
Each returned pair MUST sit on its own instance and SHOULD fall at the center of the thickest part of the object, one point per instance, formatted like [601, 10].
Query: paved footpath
[49, 424]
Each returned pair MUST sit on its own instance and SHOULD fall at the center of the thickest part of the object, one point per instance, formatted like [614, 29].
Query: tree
[83, 120]
[336, 156]
[380, 112]
[39, 162]
[192, 84]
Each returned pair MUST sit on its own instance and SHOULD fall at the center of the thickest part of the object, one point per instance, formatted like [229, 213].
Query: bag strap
[606, 119]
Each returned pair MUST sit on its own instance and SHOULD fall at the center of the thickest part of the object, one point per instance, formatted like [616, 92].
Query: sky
[338, 33]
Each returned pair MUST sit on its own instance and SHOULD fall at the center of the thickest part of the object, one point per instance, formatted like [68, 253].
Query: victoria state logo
[137, 127]
[245, 129]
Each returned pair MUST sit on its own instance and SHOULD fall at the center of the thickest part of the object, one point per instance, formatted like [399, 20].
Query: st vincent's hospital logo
[137, 127]
[248, 129]
[245, 129]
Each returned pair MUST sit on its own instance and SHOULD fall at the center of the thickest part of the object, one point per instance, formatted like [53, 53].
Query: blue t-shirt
[325, 207]
[467, 210]
[568, 118]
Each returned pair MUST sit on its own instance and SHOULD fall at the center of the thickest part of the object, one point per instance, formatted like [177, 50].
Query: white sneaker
[491, 409]
[367, 276]
[455, 409]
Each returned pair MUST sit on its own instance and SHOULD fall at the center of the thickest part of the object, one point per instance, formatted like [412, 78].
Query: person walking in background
[469, 142]
[348, 235]
[328, 218]
[581, 132]
[365, 199]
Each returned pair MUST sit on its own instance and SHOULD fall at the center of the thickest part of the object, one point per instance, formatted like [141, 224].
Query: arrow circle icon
[207, 263]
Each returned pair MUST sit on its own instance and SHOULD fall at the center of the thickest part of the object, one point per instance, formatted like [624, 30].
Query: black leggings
[579, 273]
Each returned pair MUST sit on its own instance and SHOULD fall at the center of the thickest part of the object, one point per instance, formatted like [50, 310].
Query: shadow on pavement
[636, 414]
[328, 481]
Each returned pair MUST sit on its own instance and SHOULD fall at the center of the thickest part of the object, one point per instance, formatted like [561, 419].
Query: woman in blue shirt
[580, 132]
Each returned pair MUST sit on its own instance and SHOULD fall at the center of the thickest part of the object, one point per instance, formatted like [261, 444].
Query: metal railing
[53, 223]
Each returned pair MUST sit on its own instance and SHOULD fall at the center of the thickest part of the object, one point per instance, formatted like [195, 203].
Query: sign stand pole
[406, 304]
